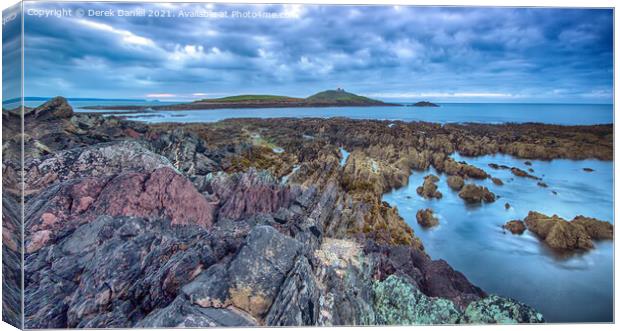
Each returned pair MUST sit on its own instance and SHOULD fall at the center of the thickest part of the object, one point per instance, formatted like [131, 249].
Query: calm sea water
[565, 114]
[570, 288]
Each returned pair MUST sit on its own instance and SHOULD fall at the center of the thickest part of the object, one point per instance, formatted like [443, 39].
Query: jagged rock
[248, 193]
[297, 303]
[110, 272]
[259, 269]
[11, 260]
[98, 160]
[185, 150]
[515, 226]
[472, 193]
[429, 188]
[57, 107]
[497, 310]
[182, 314]
[561, 234]
[398, 302]
[456, 182]
[160, 193]
[425, 218]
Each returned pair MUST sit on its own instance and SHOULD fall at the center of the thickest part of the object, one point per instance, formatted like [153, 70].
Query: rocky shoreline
[247, 221]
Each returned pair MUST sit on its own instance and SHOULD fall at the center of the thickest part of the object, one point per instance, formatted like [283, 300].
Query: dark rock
[527, 163]
[588, 169]
[57, 107]
[542, 184]
[297, 303]
[425, 104]
[515, 226]
[182, 314]
[497, 181]
[426, 219]
[507, 206]
[260, 268]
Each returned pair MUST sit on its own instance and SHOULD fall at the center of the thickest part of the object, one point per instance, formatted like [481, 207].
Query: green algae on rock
[495, 309]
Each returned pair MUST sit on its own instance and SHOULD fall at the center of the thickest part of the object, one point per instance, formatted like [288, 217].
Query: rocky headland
[245, 221]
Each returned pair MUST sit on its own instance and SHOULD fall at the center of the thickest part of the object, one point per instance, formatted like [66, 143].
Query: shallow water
[573, 288]
[569, 114]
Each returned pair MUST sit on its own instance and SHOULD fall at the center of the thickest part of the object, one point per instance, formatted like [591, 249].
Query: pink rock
[38, 240]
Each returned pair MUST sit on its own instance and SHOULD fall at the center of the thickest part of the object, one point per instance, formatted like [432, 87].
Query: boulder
[57, 107]
[515, 226]
[456, 182]
[473, 193]
[426, 219]
[429, 188]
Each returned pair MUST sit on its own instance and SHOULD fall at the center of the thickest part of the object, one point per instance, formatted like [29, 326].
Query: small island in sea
[424, 104]
[329, 98]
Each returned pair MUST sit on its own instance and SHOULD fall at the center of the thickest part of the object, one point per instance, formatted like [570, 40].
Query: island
[330, 98]
[424, 104]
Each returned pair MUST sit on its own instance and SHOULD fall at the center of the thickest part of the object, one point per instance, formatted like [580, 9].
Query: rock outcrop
[561, 234]
[473, 193]
[426, 218]
[515, 226]
[456, 182]
[428, 189]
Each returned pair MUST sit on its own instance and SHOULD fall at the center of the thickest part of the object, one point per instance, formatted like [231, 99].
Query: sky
[442, 54]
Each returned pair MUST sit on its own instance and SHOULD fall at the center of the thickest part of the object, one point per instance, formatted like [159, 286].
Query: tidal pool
[565, 288]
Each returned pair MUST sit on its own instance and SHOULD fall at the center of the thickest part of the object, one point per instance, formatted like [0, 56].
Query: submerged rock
[429, 188]
[497, 181]
[515, 226]
[473, 193]
[561, 234]
[426, 219]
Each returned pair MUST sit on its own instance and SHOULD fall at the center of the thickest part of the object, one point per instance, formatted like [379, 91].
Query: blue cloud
[444, 54]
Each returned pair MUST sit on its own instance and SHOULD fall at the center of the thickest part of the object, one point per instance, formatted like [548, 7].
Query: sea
[574, 287]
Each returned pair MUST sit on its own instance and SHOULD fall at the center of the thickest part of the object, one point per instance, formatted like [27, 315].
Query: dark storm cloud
[383, 51]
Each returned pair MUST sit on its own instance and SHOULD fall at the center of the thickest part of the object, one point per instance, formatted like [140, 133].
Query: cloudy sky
[387, 52]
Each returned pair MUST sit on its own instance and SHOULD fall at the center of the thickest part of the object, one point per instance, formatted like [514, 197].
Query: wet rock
[542, 184]
[426, 219]
[521, 173]
[561, 234]
[473, 193]
[497, 181]
[588, 169]
[429, 188]
[456, 182]
[497, 310]
[527, 163]
[506, 206]
[515, 226]
[398, 302]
